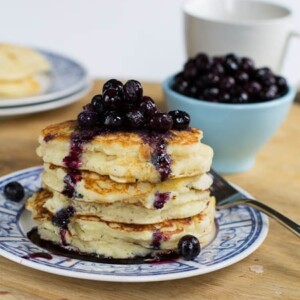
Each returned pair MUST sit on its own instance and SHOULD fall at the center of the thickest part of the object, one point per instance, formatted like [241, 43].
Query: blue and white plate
[44, 106]
[241, 230]
[66, 77]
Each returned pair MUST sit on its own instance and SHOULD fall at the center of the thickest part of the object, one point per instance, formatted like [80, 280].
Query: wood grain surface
[275, 180]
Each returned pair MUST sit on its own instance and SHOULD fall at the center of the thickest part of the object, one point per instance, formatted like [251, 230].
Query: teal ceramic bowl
[236, 132]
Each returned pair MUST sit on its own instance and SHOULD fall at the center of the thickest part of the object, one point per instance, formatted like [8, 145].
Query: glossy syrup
[55, 249]
[72, 177]
[78, 139]
[159, 155]
[33, 255]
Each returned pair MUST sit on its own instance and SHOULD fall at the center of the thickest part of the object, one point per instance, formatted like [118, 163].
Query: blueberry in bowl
[237, 105]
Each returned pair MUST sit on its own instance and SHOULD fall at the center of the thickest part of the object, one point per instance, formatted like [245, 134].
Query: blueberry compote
[228, 79]
[160, 200]
[157, 238]
[62, 219]
[72, 177]
[159, 155]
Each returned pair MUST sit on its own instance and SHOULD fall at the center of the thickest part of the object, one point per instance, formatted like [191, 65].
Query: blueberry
[181, 87]
[133, 91]
[113, 84]
[112, 99]
[203, 62]
[269, 93]
[181, 119]
[135, 119]
[88, 107]
[253, 88]
[247, 64]
[189, 247]
[240, 97]
[62, 217]
[200, 83]
[281, 84]
[269, 80]
[211, 79]
[161, 122]
[262, 74]
[231, 63]
[97, 104]
[87, 119]
[227, 83]
[148, 106]
[217, 68]
[241, 77]
[218, 59]
[192, 91]
[211, 94]
[113, 119]
[224, 97]
[190, 70]
[14, 191]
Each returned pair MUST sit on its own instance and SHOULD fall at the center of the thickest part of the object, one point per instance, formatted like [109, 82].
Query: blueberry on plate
[14, 191]
[189, 247]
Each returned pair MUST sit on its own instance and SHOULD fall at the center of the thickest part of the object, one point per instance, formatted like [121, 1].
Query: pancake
[18, 63]
[91, 234]
[18, 88]
[93, 187]
[120, 211]
[126, 156]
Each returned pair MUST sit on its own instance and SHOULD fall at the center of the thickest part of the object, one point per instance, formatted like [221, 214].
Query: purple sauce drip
[62, 217]
[159, 156]
[38, 255]
[62, 234]
[160, 200]
[157, 237]
[78, 139]
[71, 179]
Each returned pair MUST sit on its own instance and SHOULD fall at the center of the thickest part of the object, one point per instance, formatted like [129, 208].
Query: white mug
[254, 29]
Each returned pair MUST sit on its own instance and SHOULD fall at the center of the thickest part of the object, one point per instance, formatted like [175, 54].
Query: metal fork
[227, 196]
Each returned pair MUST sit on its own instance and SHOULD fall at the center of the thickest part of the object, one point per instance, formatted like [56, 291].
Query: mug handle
[292, 34]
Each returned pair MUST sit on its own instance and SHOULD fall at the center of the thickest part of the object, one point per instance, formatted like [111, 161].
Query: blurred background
[116, 38]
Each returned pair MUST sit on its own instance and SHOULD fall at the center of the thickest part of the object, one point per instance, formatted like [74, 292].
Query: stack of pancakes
[114, 201]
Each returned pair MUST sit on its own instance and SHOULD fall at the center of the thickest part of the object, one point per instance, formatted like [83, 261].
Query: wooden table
[275, 180]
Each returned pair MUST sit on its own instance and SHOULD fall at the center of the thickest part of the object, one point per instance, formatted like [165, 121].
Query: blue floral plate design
[240, 231]
[66, 77]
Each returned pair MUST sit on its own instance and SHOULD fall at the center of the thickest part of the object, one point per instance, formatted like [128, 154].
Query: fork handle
[280, 218]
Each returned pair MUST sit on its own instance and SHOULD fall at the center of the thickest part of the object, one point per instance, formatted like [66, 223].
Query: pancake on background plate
[124, 180]
[19, 71]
